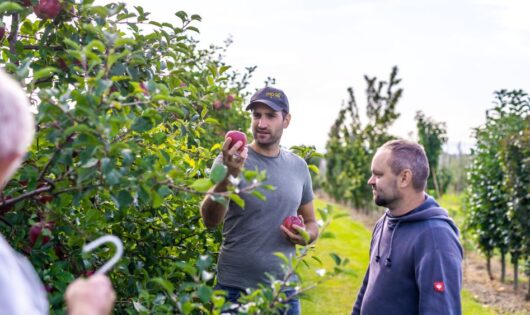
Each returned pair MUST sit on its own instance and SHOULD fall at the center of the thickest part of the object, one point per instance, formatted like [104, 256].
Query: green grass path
[352, 241]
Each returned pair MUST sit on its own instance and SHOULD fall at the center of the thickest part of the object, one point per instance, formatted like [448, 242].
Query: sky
[452, 55]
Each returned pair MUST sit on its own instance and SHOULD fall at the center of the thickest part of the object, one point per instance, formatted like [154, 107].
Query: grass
[352, 241]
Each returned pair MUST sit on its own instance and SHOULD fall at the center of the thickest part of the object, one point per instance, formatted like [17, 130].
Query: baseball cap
[272, 97]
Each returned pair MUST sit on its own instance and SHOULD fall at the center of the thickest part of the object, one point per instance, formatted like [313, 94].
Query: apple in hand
[236, 136]
[291, 220]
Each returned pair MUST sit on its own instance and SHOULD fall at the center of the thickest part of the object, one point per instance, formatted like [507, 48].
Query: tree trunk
[503, 267]
[436, 186]
[516, 274]
[528, 293]
[488, 267]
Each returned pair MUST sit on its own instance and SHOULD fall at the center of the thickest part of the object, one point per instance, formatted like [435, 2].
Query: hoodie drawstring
[377, 257]
[388, 261]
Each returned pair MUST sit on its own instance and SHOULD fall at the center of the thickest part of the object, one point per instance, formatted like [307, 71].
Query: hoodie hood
[428, 210]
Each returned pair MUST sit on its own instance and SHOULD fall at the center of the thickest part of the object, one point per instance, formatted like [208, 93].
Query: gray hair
[17, 125]
[410, 155]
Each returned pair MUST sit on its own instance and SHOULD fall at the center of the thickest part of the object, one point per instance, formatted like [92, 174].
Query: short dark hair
[406, 154]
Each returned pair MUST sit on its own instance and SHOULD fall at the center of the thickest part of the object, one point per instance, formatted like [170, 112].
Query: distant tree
[498, 195]
[432, 135]
[351, 145]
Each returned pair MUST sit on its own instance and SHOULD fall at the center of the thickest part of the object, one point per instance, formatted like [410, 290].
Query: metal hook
[106, 239]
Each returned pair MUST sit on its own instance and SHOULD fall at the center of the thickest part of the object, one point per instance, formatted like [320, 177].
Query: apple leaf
[323, 213]
[258, 195]
[336, 258]
[282, 257]
[218, 173]
[202, 184]
[235, 198]
[167, 285]
[317, 259]
[313, 168]
[220, 199]
[10, 7]
[303, 233]
[327, 234]
[205, 292]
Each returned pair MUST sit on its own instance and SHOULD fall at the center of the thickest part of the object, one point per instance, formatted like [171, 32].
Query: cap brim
[275, 107]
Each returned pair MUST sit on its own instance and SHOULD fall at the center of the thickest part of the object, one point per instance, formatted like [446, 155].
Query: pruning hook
[106, 239]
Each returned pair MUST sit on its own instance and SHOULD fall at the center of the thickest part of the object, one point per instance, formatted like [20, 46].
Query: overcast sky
[452, 55]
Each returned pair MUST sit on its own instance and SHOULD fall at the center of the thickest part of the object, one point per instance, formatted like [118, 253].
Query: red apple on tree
[291, 220]
[36, 230]
[47, 9]
[217, 104]
[236, 136]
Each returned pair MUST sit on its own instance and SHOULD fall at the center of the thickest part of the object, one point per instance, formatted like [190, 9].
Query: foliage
[498, 178]
[432, 136]
[351, 145]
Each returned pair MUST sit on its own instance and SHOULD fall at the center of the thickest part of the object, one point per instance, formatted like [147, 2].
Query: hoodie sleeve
[357, 307]
[438, 257]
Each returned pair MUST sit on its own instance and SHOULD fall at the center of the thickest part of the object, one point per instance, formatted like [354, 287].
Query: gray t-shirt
[21, 292]
[252, 235]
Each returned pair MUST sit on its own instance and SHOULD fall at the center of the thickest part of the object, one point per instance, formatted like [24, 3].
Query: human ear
[286, 120]
[405, 178]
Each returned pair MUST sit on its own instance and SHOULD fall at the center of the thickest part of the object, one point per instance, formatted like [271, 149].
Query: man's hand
[295, 238]
[92, 296]
[233, 157]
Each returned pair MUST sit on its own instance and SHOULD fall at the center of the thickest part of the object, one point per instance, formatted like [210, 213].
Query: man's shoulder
[290, 155]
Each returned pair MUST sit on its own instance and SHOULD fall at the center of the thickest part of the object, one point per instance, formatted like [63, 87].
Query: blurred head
[399, 168]
[17, 126]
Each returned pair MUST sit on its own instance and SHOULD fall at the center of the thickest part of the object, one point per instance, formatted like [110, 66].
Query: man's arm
[357, 306]
[439, 273]
[212, 212]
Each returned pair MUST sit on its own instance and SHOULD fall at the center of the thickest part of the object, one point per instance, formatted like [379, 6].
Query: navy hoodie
[415, 265]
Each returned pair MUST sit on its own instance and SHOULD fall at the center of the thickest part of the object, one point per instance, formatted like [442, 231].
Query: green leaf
[9, 7]
[282, 257]
[44, 73]
[323, 213]
[205, 292]
[317, 259]
[202, 185]
[218, 173]
[220, 199]
[235, 198]
[305, 235]
[167, 285]
[258, 195]
[314, 168]
[336, 258]
[327, 234]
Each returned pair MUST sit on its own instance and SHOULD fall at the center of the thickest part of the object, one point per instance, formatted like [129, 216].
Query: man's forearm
[312, 229]
[213, 212]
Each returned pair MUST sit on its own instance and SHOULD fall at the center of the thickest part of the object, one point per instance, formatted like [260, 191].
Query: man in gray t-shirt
[251, 235]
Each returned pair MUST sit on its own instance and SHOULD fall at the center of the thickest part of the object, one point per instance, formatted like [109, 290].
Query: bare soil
[499, 296]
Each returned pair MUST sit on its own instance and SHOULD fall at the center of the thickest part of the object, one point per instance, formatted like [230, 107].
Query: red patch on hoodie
[439, 286]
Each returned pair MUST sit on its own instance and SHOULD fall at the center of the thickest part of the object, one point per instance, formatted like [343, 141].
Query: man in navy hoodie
[415, 255]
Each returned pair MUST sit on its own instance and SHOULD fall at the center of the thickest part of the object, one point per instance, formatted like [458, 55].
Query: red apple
[47, 9]
[45, 198]
[2, 32]
[144, 88]
[227, 105]
[230, 98]
[236, 136]
[217, 104]
[36, 230]
[292, 220]
[7, 208]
